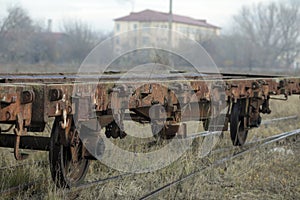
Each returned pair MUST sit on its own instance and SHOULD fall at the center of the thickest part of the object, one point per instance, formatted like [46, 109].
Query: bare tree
[22, 40]
[15, 32]
[81, 39]
[231, 51]
[290, 29]
[274, 31]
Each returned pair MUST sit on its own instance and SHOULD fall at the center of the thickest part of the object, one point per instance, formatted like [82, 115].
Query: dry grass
[257, 175]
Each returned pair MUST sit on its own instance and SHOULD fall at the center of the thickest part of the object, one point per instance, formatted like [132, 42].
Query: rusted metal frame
[286, 87]
[59, 104]
[26, 142]
[246, 88]
[16, 104]
[242, 89]
[146, 92]
[144, 97]
[169, 95]
[255, 94]
[55, 107]
[15, 99]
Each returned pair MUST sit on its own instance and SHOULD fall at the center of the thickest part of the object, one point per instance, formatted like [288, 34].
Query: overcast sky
[100, 13]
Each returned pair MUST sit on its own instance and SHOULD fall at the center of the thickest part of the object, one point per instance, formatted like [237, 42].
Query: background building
[195, 29]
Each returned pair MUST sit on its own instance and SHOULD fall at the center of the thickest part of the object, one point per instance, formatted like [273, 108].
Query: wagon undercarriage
[83, 105]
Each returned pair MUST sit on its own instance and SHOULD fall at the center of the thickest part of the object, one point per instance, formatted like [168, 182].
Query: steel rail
[266, 122]
[105, 180]
[268, 140]
[221, 161]
[245, 149]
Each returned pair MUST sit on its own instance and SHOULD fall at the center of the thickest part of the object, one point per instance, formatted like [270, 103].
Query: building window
[134, 26]
[182, 29]
[118, 27]
[146, 25]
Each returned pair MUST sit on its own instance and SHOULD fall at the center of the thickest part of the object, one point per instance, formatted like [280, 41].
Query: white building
[195, 29]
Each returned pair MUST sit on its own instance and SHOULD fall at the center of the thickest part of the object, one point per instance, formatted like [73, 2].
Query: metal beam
[26, 142]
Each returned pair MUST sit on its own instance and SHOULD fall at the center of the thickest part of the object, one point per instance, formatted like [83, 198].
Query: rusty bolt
[255, 85]
[55, 94]
[27, 97]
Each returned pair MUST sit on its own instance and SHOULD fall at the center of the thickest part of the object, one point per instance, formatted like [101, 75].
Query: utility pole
[170, 33]
[170, 15]
[170, 22]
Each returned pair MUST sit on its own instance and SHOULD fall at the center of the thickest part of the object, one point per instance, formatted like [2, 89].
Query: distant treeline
[24, 41]
[261, 36]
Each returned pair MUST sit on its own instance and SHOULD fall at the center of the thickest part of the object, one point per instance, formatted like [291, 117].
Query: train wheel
[157, 131]
[206, 124]
[238, 132]
[163, 132]
[67, 165]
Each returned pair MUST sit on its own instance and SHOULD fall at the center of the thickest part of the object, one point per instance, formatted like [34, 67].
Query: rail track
[250, 146]
[195, 135]
[81, 105]
[243, 151]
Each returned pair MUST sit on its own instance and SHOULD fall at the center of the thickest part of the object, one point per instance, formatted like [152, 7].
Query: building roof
[151, 15]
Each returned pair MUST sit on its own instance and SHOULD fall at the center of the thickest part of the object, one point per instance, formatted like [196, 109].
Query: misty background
[260, 37]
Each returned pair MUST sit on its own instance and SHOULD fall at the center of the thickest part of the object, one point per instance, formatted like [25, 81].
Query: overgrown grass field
[262, 174]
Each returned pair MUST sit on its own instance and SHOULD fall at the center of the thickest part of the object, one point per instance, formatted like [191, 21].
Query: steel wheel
[66, 170]
[162, 132]
[206, 124]
[238, 132]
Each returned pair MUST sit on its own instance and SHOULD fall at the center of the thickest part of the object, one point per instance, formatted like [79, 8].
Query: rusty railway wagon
[27, 102]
